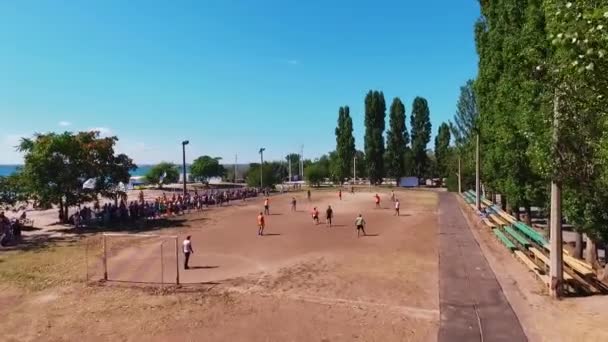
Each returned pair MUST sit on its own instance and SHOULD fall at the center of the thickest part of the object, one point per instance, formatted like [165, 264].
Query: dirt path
[472, 304]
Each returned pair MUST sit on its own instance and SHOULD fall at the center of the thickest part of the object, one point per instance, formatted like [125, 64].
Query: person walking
[308, 194]
[261, 224]
[266, 206]
[329, 214]
[393, 195]
[315, 216]
[377, 200]
[340, 194]
[293, 204]
[360, 224]
[187, 251]
[397, 206]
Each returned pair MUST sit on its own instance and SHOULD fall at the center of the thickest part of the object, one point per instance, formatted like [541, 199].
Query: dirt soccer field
[300, 282]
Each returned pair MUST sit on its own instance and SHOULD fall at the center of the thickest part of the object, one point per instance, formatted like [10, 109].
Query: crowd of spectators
[162, 206]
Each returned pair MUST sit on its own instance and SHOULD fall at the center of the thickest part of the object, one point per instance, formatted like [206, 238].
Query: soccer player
[293, 204]
[261, 224]
[266, 207]
[397, 205]
[377, 200]
[187, 244]
[329, 213]
[308, 194]
[360, 224]
[393, 195]
[315, 215]
[340, 194]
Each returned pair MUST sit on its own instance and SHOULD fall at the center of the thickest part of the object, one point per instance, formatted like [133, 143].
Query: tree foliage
[57, 165]
[345, 145]
[315, 174]
[154, 175]
[271, 176]
[375, 113]
[206, 167]
[442, 150]
[421, 134]
[12, 190]
[397, 139]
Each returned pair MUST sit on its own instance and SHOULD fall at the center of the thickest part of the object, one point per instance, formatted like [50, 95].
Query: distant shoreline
[8, 169]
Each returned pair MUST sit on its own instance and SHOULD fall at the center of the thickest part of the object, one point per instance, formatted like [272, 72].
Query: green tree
[345, 145]
[361, 164]
[397, 139]
[510, 42]
[464, 127]
[577, 73]
[156, 173]
[442, 150]
[56, 165]
[315, 174]
[206, 167]
[375, 113]
[421, 135]
[12, 190]
[253, 175]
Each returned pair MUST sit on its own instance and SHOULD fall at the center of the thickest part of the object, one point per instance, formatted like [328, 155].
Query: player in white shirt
[397, 206]
[187, 251]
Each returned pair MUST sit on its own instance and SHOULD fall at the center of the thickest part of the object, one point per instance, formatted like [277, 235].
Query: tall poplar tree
[375, 113]
[442, 150]
[345, 144]
[397, 139]
[421, 135]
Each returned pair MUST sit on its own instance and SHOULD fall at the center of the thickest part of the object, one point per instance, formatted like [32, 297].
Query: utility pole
[289, 166]
[184, 143]
[236, 158]
[354, 169]
[459, 179]
[262, 167]
[555, 237]
[302, 162]
[477, 194]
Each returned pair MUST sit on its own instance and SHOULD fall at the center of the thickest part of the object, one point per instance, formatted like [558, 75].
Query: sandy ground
[543, 319]
[302, 283]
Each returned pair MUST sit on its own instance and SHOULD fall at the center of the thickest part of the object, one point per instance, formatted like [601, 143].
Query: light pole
[184, 143]
[262, 167]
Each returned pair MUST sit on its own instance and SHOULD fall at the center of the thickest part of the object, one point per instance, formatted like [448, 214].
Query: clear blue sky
[230, 76]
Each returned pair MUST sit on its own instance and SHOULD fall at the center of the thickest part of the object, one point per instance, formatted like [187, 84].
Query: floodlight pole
[477, 180]
[555, 238]
[262, 167]
[184, 143]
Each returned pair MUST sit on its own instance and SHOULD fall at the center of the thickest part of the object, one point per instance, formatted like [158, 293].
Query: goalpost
[140, 258]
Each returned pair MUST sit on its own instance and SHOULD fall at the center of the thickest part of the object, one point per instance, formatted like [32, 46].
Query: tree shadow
[131, 227]
[30, 229]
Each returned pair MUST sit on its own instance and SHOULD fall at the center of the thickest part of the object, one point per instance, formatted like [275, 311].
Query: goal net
[139, 258]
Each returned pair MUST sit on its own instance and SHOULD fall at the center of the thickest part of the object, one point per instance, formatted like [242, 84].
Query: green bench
[531, 233]
[504, 239]
[467, 198]
[517, 236]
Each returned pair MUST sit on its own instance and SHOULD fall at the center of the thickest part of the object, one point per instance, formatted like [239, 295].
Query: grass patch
[45, 267]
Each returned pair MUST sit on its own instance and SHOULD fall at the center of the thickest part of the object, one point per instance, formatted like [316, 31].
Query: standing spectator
[187, 251]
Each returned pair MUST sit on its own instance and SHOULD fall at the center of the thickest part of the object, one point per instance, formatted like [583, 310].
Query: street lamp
[262, 167]
[184, 143]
